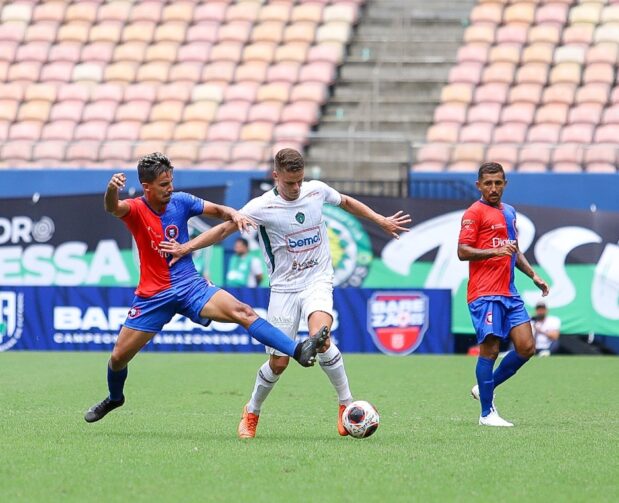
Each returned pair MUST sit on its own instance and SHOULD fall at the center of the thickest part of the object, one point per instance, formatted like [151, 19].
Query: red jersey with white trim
[149, 228]
[485, 227]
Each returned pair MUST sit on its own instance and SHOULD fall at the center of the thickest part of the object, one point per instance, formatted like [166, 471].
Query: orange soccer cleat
[340, 427]
[248, 424]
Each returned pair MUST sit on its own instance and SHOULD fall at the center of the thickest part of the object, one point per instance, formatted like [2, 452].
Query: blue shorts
[497, 315]
[152, 313]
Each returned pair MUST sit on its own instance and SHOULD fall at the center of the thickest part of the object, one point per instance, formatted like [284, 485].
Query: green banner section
[576, 318]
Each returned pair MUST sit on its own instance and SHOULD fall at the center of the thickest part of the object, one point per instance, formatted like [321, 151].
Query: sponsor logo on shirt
[498, 242]
[305, 240]
[300, 266]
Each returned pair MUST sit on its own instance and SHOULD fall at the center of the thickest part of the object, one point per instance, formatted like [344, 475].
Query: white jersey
[293, 235]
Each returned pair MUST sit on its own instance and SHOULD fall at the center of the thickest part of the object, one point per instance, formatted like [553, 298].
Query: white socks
[265, 380]
[332, 363]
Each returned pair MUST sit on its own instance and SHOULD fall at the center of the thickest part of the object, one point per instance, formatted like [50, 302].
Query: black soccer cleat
[305, 352]
[98, 411]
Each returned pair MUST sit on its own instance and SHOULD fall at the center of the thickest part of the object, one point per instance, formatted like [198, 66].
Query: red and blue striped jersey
[484, 227]
[149, 228]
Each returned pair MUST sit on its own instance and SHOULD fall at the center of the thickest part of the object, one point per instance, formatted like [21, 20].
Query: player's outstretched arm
[207, 238]
[242, 222]
[110, 201]
[391, 225]
[523, 264]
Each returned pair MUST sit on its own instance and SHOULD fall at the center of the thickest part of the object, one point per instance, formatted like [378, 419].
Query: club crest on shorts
[134, 312]
[171, 231]
[398, 321]
[300, 217]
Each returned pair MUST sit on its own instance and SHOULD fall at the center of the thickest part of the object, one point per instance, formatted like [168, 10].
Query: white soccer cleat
[493, 419]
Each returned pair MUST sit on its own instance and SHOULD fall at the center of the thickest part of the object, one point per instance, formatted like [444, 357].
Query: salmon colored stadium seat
[484, 112]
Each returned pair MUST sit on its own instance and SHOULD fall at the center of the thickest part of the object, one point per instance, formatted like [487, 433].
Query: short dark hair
[490, 168]
[288, 159]
[152, 165]
[244, 241]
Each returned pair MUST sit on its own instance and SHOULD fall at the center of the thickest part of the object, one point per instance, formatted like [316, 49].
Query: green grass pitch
[175, 438]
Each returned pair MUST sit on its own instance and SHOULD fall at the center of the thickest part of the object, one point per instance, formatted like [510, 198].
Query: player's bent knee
[244, 314]
[527, 351]
[118, 361]
[278, 365]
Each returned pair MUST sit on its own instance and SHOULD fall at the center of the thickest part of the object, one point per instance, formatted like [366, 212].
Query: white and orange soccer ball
[360, 419]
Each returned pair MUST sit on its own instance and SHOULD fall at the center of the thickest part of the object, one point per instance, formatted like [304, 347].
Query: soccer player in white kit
[296, 249]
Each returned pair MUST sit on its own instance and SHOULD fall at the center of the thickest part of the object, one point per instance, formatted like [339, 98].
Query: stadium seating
[534, 88]
[214, 84]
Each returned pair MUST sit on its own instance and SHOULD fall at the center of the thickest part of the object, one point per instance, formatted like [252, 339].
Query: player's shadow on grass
[207, 435]
[165, 435]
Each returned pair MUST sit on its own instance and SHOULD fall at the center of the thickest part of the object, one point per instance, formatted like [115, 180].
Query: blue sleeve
[191, 204]
[510, 221]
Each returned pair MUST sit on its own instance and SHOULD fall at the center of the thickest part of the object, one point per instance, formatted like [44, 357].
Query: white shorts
[290, 311]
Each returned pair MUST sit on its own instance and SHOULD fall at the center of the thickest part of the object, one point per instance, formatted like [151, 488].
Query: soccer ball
[360, 419]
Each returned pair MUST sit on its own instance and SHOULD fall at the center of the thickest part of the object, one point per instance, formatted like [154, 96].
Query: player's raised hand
[395, 223]
[117, 181]
[243, 222]
[174, 248]
[541, 284]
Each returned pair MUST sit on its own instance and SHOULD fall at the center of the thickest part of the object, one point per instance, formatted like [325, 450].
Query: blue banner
[395, 322]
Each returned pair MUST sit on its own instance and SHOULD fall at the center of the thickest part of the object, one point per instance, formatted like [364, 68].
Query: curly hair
[152, 165]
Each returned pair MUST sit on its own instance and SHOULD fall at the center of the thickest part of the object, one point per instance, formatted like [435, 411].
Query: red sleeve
[131, 213]
[469, 228]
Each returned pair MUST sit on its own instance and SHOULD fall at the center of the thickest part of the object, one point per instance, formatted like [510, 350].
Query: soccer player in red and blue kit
[489, 241]
[164, 289]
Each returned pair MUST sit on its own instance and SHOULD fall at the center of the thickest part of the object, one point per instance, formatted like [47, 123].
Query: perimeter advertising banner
[395, 322]
[71, 240]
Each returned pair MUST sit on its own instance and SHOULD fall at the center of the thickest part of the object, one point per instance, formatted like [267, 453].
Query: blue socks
[263, 331]
[508, 367]
[485, 381]
[116, 383]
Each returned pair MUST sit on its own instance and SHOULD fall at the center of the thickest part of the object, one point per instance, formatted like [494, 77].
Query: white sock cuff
[331, 356]
[266, 373]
